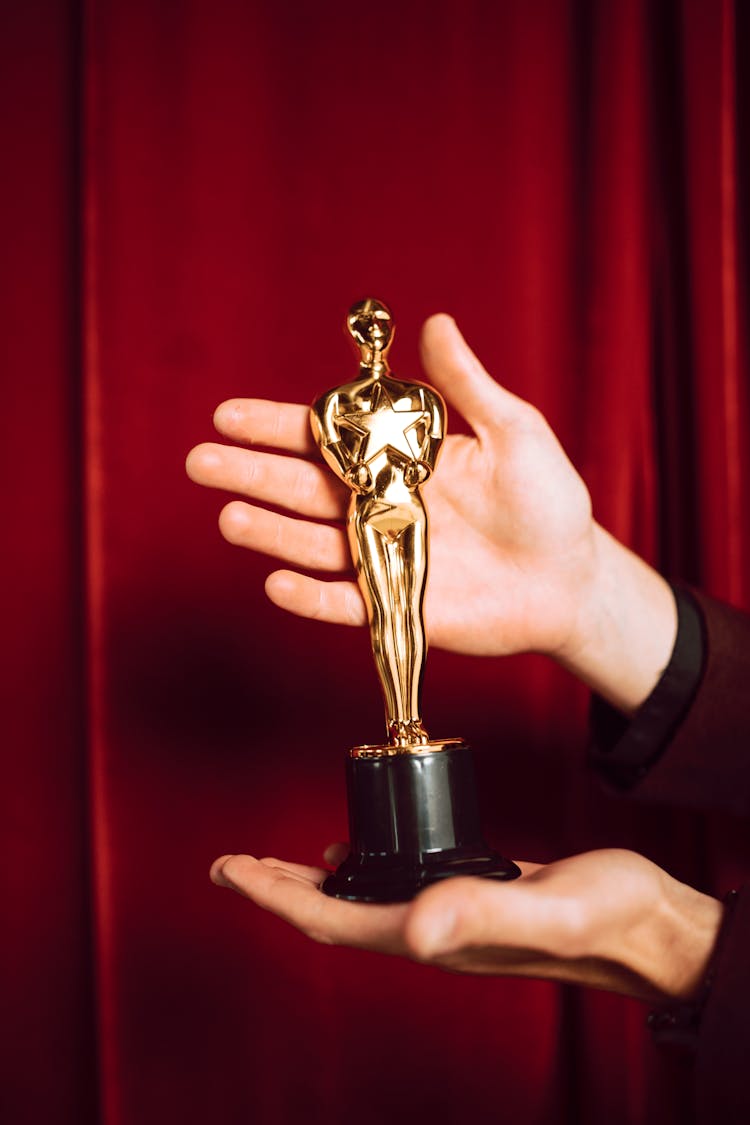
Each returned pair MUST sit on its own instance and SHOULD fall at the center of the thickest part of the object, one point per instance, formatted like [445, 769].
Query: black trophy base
[413, 821]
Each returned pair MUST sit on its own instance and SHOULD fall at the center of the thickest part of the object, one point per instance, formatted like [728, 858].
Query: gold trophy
[413, 815]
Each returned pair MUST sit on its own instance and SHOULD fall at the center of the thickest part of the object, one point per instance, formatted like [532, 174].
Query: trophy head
[370, 325]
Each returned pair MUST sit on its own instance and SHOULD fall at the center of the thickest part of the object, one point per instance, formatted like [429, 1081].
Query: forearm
[626, 627]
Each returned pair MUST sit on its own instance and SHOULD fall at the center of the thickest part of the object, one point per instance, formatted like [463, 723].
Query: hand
[516, 560]
[608, 919]
[511, 529]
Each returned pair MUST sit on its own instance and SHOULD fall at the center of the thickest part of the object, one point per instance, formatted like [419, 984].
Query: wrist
[625, 627]
[670, 949]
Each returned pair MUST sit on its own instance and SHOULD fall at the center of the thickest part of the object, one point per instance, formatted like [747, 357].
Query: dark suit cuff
[623, 750]
[721, 1065]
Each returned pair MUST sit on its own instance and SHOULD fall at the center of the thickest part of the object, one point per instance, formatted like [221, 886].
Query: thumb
[466, 912]
[454, 370]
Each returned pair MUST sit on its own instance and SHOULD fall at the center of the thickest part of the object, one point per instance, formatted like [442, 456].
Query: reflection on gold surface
[381, 436]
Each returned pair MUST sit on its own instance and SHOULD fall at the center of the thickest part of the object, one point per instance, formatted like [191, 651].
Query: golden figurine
[413, 815]
[382, 436]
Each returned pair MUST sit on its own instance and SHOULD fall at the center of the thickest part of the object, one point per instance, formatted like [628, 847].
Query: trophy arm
[325, 434]
[434, 405]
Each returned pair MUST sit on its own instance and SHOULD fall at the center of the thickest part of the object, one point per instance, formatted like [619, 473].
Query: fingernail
[217, 873]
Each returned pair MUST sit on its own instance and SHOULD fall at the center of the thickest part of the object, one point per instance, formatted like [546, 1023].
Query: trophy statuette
[413, 815]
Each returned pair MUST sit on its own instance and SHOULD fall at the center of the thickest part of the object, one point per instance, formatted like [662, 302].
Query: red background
[192, 195]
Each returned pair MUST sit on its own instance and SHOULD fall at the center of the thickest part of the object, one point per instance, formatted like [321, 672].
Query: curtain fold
[196, 193]
[46, 988]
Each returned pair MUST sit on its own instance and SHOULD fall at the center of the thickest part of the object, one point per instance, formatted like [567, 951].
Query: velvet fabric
[192, 195]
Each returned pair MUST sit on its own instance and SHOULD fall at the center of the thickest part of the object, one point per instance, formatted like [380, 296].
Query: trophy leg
[413, 821]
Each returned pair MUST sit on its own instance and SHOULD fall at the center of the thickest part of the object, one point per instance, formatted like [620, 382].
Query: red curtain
[192, 195]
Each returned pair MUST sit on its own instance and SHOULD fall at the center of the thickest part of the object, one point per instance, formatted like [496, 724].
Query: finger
[215, 873]
[336, 854]
[476, 913]
[329, 920]
[314, 875]
[287, 482]
[313, 546]
[455, 371]
[275, 425]
[337, 602]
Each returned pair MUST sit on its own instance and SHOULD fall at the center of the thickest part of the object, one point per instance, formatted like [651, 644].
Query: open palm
[512, 538]
[609, 919]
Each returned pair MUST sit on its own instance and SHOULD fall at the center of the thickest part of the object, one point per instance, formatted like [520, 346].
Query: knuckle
[325, 547]
[252, 471]
[314, 545]
[274, 425]
[435, 927]
[353, 606]
[318, 604]
[416, 938]
[277, 536]
[303, 487]
[530, 419]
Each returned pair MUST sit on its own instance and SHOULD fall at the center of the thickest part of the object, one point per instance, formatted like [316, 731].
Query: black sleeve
[700, 710]
[623, 750]
[721, 1063]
